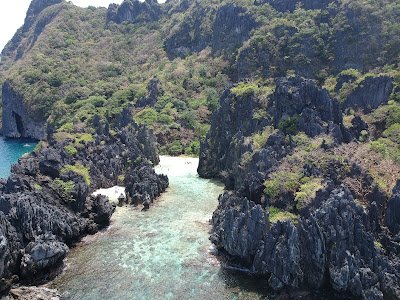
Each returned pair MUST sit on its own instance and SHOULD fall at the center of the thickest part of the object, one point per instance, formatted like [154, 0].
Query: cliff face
[46, 204]
[17, 123]
[134, 12]
[230, 26]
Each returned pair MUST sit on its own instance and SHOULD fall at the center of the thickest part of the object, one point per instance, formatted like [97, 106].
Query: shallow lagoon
[163, 253]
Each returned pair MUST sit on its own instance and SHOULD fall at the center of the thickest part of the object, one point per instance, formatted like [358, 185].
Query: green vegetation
[37, 187]
[260, 138]
[121, 179]
[307, 191]
[78, 169]
[246, 158]
[387, 148]
[244, 89]
[65, 188]
[175, 148]
[282, 182]
[378, 245]
[71, 150]
[306, 144]
[386, 119]
[193, 148]
[393, 132]
[289, 125]
[79, 66]
[276, 214]
[260, 114]
[147, 116]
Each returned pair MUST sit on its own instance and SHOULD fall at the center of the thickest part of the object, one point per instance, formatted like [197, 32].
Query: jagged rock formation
[310, 108]
[154, 90]
[134, 12]
[296, 238]
[370, 93]
[16, 121]
[332, 245]
[305, 210]
[46, 204]
[318, 112]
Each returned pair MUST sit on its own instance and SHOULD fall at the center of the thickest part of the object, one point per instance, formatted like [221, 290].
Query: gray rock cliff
[17, 123]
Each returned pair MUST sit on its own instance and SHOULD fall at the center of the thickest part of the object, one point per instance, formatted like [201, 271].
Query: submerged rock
[33, 292]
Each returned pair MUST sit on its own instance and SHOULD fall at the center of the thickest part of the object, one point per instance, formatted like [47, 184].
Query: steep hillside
[172, 61]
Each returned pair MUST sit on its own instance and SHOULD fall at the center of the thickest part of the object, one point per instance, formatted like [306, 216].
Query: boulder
[42, 254]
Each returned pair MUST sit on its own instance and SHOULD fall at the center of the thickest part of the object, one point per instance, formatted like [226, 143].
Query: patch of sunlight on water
[162, 253]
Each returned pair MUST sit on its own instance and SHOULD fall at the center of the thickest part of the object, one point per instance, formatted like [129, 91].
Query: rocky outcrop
[16, 120]
[36, 7]
[295, 101]
[335, 240]
[317, 112]
[239, 226]
[154, 90]
[332, 246]
[46, 204]
[143, 185]
[43, 253]
[224, 144]
[231, 26]
[370, 93]
[134, 12]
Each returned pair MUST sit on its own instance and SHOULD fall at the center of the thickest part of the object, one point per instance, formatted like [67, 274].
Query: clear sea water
[163, 253]
[10, 151]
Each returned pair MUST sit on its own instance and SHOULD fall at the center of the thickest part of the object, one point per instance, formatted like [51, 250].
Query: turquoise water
[10, 151]
[163, 253]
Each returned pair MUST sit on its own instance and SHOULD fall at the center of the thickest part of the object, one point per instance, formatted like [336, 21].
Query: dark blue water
[10, 151]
